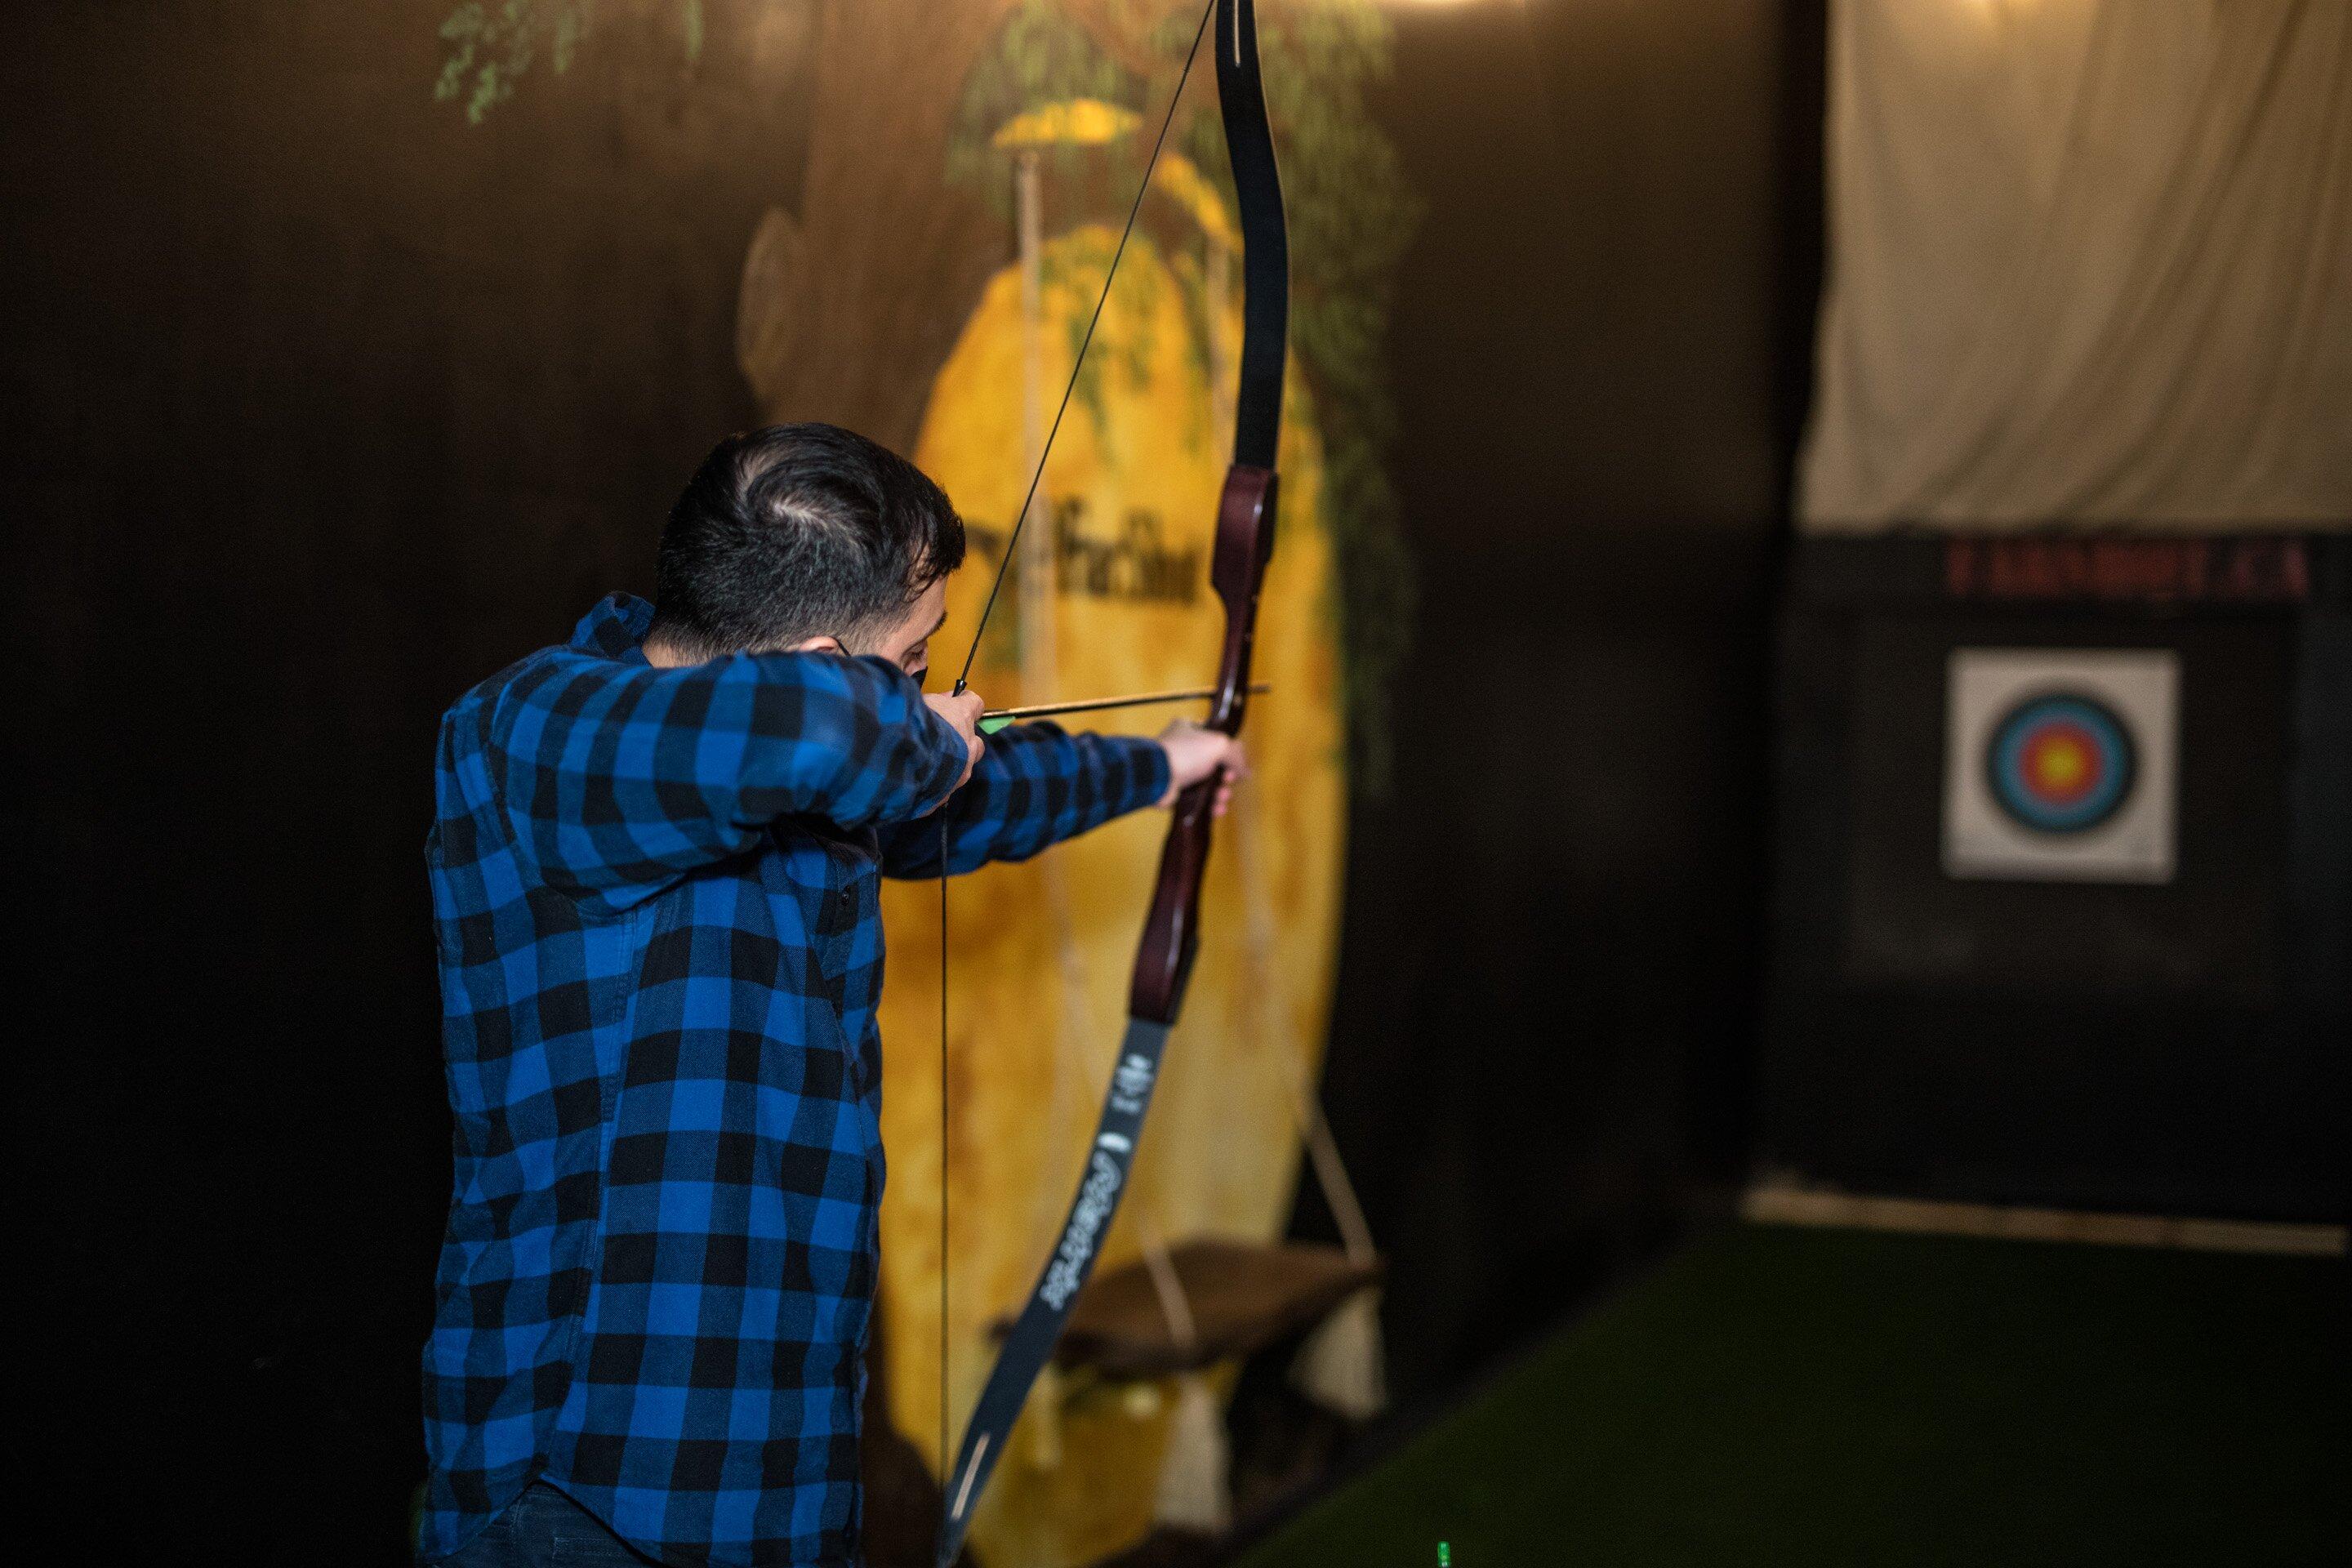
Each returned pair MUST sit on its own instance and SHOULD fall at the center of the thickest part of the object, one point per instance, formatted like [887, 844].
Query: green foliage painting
[493, 44]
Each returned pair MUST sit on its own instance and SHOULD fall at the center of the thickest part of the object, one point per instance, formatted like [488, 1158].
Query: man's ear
[818, 645]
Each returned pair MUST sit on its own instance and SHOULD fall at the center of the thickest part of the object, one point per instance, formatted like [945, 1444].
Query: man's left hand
[1194, 753]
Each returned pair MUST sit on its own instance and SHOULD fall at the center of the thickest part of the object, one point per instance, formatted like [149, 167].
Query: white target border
[1980, 841]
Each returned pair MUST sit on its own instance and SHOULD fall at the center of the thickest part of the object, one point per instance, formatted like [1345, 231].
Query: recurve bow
[1163, 958]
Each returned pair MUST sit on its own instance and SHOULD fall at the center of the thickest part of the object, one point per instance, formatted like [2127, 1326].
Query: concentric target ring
[2061, 763]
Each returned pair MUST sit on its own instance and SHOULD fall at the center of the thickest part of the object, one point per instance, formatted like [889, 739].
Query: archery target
[2059, 763]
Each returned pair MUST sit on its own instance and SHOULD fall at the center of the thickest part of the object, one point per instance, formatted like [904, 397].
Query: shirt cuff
[1143, 772]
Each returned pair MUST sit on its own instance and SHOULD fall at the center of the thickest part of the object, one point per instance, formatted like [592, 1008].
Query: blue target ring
[2060, 763]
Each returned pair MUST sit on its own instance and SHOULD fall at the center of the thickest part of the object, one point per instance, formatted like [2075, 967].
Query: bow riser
[1172, 933]
[1237, 572]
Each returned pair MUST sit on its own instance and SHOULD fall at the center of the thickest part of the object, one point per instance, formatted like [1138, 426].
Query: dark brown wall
[318, 407]
[1553, 926]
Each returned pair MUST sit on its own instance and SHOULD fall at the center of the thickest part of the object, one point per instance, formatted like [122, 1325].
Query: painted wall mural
[968, 167]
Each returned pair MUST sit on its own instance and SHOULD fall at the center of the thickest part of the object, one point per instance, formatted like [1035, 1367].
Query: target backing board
[2060, 763]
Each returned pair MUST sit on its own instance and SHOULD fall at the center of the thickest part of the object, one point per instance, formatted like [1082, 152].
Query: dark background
[319, 405]
[1554, 928]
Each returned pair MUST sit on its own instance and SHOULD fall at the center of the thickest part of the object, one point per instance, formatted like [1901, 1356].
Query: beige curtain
[2090, 266]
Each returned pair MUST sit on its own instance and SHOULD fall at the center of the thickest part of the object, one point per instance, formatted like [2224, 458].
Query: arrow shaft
[1002, 716]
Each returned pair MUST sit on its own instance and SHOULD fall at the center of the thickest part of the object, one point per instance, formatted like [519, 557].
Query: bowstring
[943, 1152]
[1143, 187]
[995, 587]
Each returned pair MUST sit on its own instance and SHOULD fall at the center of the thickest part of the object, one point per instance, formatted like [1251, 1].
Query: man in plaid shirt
[654, 861]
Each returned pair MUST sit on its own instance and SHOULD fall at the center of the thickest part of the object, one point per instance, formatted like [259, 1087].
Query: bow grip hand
[1195, 752]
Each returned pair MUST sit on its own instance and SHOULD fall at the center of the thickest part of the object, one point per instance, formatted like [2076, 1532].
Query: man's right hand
[963, 712]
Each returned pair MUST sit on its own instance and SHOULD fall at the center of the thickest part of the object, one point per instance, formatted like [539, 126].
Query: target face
[2060, 763]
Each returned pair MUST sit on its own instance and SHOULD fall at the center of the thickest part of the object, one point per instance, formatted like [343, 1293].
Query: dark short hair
[796, 532]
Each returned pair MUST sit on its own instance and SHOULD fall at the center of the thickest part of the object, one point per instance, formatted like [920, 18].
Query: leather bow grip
[1163, 958]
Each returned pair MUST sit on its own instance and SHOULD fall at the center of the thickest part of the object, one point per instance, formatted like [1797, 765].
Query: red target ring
[2060, 763]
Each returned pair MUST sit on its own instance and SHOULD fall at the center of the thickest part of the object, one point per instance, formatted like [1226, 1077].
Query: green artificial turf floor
[1828, 1397]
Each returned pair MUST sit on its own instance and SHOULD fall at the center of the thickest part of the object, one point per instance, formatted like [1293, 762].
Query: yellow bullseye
[2061, 766]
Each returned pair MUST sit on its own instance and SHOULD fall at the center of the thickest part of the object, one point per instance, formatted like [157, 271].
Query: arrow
[996, 719]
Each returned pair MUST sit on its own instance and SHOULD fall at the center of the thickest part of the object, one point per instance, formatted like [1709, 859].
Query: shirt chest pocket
[614, 951]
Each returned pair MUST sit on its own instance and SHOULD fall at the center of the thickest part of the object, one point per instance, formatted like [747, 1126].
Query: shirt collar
[615, 628]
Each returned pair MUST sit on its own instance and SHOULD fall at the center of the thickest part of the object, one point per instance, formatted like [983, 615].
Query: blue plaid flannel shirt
[660, 945]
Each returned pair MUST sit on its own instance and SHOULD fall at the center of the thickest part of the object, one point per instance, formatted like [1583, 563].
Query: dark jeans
[545, 1529]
